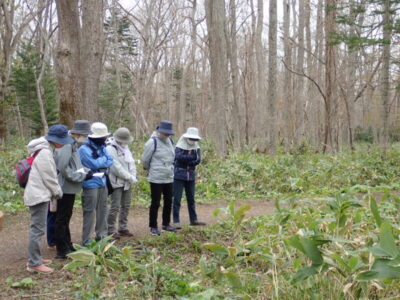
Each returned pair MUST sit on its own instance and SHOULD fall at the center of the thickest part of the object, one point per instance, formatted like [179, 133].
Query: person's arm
[116, 168]
[63, 157]
[147, 154]
[182, 157]
[92, 163]
[198, 158]
[47, 170]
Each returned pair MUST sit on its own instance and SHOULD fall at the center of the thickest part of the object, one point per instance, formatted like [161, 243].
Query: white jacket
[121, 174]
[42, 184]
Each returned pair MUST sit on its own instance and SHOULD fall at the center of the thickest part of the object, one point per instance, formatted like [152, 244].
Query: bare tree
[215, 16]
[272, 74]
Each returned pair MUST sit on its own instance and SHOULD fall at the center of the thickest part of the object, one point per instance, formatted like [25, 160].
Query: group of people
[87, 157]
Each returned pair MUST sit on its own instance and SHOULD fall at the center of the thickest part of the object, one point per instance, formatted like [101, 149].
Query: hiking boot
[125, 232]
[52, 247]
[40, 269]
[197, 223]
[115, 235]
[169, 228]
[155, 231]
[177, 226]
[61, 256]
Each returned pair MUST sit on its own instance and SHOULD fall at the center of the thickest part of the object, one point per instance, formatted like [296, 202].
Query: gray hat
[123, 135]
[81, 127]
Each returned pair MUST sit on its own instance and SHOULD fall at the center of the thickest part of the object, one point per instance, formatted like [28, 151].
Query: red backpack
[23, 168]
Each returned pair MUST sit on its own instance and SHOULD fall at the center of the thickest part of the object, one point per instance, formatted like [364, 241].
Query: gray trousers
[94, 205]
[120, 203]
[36, 231]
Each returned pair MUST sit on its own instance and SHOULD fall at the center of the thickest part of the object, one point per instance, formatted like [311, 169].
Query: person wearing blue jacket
[187, 157]
[95, 157]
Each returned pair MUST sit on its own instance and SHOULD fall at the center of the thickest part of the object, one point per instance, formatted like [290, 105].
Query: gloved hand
[133, 179]
[89, 175]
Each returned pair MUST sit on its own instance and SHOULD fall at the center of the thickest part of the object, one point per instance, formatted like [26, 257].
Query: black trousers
[156, 190]
[65, 206]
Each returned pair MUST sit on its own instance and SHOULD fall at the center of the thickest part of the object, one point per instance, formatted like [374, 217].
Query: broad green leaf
[387, 242]
[83, 255]
[217, 249]
[381, 270]
[234, 279]
[239, 214]
[311, 250]
[294, 241]
[73, 265]
[375, 211]
[304, 273]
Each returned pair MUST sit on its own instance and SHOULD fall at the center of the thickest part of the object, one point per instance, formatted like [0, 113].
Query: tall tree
[272, 73]
[79, 58]
[215, 17]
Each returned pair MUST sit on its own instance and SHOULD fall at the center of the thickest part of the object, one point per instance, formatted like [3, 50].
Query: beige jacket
[42, 185]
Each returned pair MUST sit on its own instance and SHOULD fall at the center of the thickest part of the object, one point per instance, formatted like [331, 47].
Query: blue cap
[59, 134]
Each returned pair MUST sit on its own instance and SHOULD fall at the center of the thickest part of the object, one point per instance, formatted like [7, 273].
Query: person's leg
[61, 224]
[89, 197]
[190, 190]
[114, 209]
[51, 228]
[125, 205]
[101, 213]
[167, 197]
[178, 188]
[70, 210]
[155, 190]
[36, 231]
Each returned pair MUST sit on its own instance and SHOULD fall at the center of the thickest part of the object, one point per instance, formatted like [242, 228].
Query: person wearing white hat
[187, 157]
[95, 157]
[122, 176]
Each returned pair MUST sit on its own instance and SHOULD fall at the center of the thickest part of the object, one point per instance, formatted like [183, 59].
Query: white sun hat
[192, 133]
[99, 130]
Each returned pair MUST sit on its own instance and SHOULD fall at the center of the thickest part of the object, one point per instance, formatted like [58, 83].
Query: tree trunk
[69, 84]
[288, 79]
[272, 74]
[385, 76]
[330, 101]
[299, 80]
[91, 55]
[215, 17]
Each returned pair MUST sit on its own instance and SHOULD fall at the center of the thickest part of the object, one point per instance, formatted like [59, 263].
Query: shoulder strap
[36, 153]
[94, 150]
[155, 148]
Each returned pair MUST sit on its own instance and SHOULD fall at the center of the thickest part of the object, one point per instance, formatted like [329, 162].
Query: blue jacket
[97, 162]
[185, 164]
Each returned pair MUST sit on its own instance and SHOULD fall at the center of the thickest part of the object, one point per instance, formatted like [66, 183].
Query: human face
[163, 136]
[80, 138]
[57, 145]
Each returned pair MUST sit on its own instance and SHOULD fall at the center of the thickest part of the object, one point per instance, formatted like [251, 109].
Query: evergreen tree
[25, 70]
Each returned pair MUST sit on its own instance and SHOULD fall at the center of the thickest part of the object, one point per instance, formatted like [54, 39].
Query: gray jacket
[68, 163]
[120, 176]
[160, 164]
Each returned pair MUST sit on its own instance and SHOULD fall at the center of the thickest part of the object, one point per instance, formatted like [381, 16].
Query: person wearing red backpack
[42, 187]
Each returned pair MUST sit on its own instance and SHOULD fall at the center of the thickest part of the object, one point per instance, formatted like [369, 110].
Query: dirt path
[14, 237]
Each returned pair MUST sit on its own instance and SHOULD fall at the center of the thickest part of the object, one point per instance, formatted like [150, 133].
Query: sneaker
[155, 231]
[177, 226]
[39, 269]
[169, 228]
[46, 261]
[197, 223]
[125, 232]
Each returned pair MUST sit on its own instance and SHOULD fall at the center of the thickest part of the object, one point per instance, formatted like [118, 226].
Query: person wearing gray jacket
[42, 187]
[158, 158]
[122, 175]
[71, 174]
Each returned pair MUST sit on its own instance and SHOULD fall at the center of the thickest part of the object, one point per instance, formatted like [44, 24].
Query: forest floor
[14, 237]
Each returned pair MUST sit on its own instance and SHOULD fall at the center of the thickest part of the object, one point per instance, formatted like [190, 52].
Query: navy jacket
[185, 164]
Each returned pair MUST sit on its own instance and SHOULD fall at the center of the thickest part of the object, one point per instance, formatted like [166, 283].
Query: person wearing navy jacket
[187, 157]
[95, 157]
